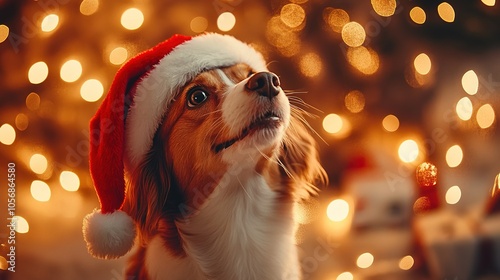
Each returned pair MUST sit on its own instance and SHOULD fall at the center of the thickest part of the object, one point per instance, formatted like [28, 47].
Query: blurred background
[403, 96]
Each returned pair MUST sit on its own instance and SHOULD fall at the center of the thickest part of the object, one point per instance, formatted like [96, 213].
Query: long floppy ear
[299, 156]
[147, 190]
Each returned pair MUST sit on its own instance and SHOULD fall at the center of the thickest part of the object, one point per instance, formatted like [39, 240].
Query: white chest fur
[242, 232]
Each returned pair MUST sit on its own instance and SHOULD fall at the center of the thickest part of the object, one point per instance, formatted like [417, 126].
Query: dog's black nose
[265, 84]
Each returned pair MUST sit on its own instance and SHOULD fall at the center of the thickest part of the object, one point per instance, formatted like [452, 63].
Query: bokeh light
[226, 21]
[422, 64]
[446, 12]
[50, 22]
[453, 195]
[69, 181]
[454, 156]
[365, 260]
[22, 121]
[292, 15]
[22, 225]
[198, 24]
[91, 90]
[118, 55]
[132, 19]
[345, 276]
[485, 116]
[363, 59]
[38, 72]
[489, 3]
[418, 15]
[332, 123]
[310, 65]
[3, 263]
[336, 18]
[71, 71]
[40, 191]
[7, 134]
[385, 8]
[353, 34]
[38, 163]
[390, 123]
[89, 7]
[337, 210]
[464, 109]
[408, 151]
[355, 101]
[4, 32]
[33, 101]
[406, 262]
[470, 82]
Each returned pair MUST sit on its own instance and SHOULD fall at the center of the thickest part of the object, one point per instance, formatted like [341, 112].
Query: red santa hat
[122, 130]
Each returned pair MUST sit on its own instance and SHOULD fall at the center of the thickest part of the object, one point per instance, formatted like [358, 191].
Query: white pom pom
[108, 236]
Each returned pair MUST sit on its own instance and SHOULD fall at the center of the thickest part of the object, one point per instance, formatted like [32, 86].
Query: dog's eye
[196, 97]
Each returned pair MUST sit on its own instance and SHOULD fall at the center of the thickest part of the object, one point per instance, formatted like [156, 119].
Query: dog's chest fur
[244, 231]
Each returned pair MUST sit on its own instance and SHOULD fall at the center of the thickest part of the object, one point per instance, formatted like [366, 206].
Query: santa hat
[122, 130]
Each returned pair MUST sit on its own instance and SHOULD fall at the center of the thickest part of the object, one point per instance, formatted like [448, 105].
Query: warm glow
[132, 19]
[22, 121]
[337, 210]
[38, 163]
[353, 34]
[408, 151]
[4, 32]
[470, 82]
[7, 134]
[40, 191]
[489, 3]
[345, 276]
[453, 195]
[71, 71]
[332, 123]
[3, 263]
[310, 65]
[50, 22]
[22, 225]
[226, 21]
[364, 260]
[446, 12]
[485, 116]
[406, 262]
[355, 101]
[292, 15]
[91, 90]
[418, 15]
[454, 156]
[89, 7]
[118, 55]
[464, 108]
[363, 59]
[390, 123]
[33, 101]
[38, 72]
[198, 24]
[384, 8]
[69, 181]
[422, 64]
[336, 18]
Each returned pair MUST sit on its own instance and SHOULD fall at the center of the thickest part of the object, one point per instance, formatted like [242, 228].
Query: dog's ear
[299, 156]
[147, 190]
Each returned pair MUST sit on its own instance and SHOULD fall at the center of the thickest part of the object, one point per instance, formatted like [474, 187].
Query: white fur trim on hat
[108, 236]
[158, 88]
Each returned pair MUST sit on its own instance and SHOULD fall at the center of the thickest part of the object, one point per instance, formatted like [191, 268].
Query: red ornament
[428, 198]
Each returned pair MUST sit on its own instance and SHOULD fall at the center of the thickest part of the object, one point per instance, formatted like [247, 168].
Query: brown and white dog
[214, 196]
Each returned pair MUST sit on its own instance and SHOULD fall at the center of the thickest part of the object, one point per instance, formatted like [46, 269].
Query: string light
[390, 123]
[132, 19]
[7, 134]
[422, 64]
[91, 90]
[38, 163]
[365, 260]
[453, 195]
[33, 101]
[454, 156]
[89, 7]
[40, 191]
[337, 210]
[345, 276]
[226, 21]
[50, 22]
[385, 8]
[470, 82]
[69, 181]
[332, 123]
[336, 18]
[38, 72]
[310, 65]
[355, 101]
[408, 151]
[71, 71]
[198, 24]
[22, 121]
[353, 34]
[446, 12]
[22, 225]
[418, 15]
[292, 15]
[118, 55]
[464, 109]
[485, 116]
[4, 32]
[406, 262]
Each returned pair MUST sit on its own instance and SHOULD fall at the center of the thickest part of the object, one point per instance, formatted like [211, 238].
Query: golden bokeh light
[446, 12]
[118, 55]
[89, 7]
[69, 181]
[3, 263]
[40, 191]
[408, 151]
[310, 65]
[454, 156]
[363, 59]
[422, 64]
[406, 262]
[336, 18]
[50, 22]
[91, 90]
[198, 24]
[33, 101]
[485, 116]
[353, 34]
[226, 21]
[365, 260]
[453, 195]
[354, 101]
[464, 108]
[489, 3]
[337, 210]
[4, 32]
[292, 15]
[71, 71]
[132, 19]
[332, 123]
[390, 123]
[470, 82]
[38, 72]
[22, 121]
[385, 8]
[22, 225]
[7, 134]
[418, 15]
[345, 276]
[38, 163]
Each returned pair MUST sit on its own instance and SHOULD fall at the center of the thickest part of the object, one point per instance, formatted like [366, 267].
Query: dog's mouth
[266, 121]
